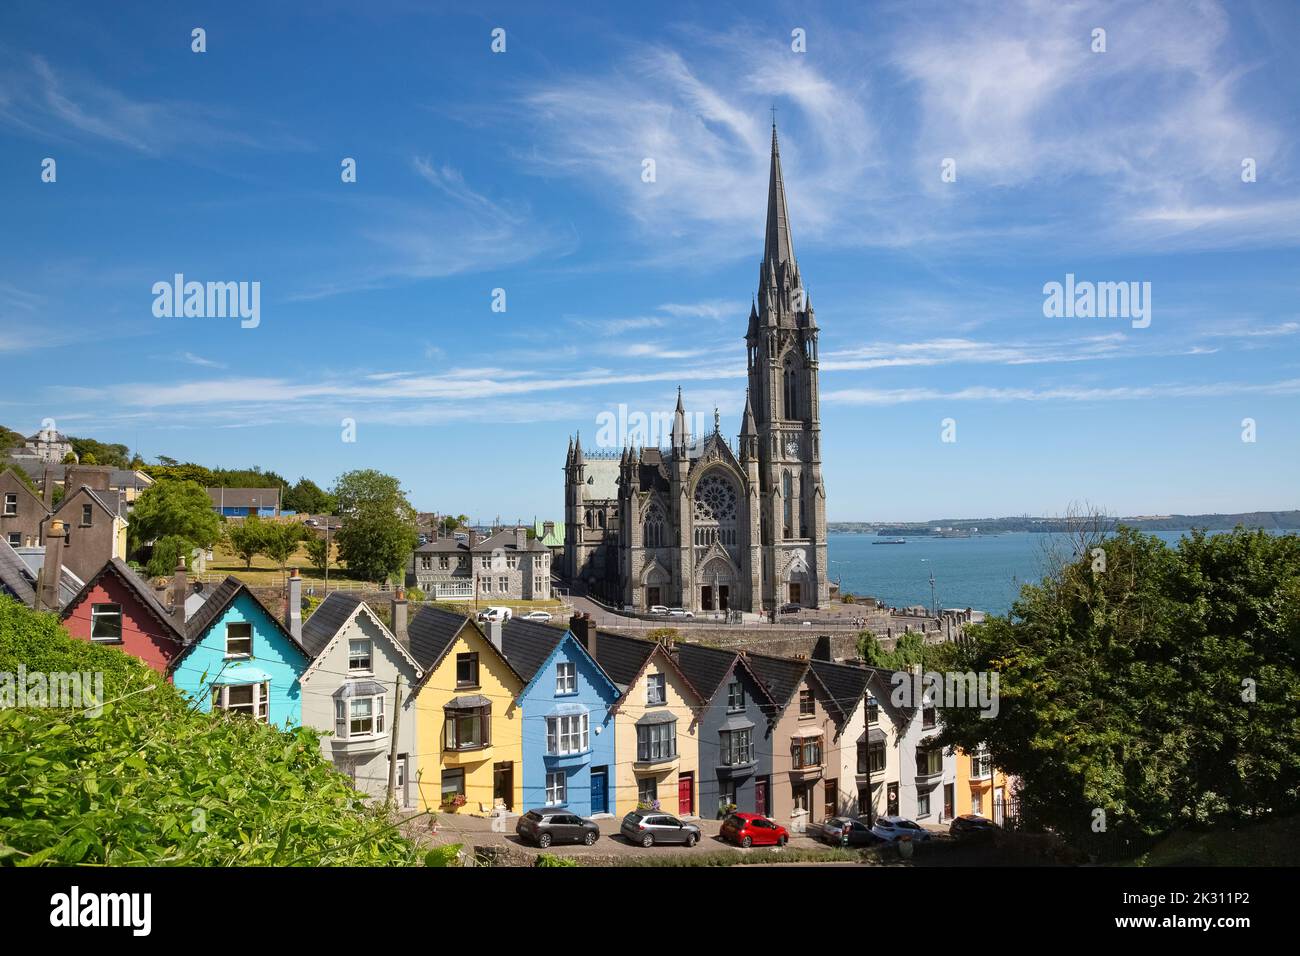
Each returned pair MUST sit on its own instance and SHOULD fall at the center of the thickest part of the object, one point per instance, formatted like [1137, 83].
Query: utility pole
[327, 555]
[392, 746]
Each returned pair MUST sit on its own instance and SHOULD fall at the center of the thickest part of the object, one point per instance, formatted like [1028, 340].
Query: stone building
[507, 565]
[703, 525]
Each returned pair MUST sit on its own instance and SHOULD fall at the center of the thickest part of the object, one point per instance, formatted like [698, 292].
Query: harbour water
[984, 572]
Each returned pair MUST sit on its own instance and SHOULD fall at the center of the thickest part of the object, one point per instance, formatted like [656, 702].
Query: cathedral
[702, 524]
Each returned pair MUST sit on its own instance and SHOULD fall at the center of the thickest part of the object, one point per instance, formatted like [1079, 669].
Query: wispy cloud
[899, 396]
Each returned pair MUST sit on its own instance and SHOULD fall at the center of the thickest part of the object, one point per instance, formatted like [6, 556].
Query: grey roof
[705, 667]
[845, 683]
[622, 657]
[19, 569]
[244, 497]
[138, 586]
[602, 480]
[431, 632]
[360, 688]
[656, 717]
[780, 676]
[502, 540]
[113, 502]
[330, 615]
[467, 702]
[221, 598]
[528, 644]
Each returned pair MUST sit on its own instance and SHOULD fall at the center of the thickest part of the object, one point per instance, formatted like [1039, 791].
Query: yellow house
[656, 741]
[468, 721]
[981, 788]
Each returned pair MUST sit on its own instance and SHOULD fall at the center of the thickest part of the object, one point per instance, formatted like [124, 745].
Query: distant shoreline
[962, 527]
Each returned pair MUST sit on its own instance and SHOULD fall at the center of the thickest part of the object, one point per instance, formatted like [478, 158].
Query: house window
[467, 728]
[873, 711]
[736, 747]
[485, 562]
[466, 670]
[806, 753]
[656, 689]
[735, 697]
[453, 785]
[87, 513]
[15, 539]
[923, 803]
[806, 706]
[556, 791]
[503, 584]
[647, 790]
[927, 717]
[251, 700]
[11, 504]
[567, 734]
[106, 622]
[539, 585]
[359, 717]
[426, 562]
[566, 678]
[487, 585]
[871, 757]
[359, 655]
[929, 761]
[977, 802]
[443, 563]
[656, 742]
[239, 639]
[511, 562]
[981, 764]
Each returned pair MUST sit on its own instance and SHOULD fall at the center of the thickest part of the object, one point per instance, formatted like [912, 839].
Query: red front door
[686, 794]
[760, 796]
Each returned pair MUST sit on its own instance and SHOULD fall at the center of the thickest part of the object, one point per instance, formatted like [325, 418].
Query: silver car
[649, 827]
[893, 829]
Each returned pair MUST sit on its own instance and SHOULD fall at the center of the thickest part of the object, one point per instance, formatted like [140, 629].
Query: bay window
[656, 742]
[250, 700]
[467, 728]
[736, 747]
[359, 717]
[567, 734]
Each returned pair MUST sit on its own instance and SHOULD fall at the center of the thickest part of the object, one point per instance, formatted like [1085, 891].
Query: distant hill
[1268, 520]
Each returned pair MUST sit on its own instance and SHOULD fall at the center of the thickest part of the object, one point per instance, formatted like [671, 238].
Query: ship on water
[892, 541]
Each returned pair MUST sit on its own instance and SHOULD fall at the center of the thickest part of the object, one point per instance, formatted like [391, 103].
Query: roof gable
[143, 593]
[569, 643]
[438, 631]
[226, 593]
[316, 641]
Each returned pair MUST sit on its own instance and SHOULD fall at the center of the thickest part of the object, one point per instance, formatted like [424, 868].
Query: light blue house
[568, 731]
[239, 658]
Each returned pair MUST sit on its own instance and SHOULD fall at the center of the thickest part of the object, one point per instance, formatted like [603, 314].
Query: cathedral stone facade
[702, 524]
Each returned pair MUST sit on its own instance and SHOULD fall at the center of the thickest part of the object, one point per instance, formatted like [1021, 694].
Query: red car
[751, 829]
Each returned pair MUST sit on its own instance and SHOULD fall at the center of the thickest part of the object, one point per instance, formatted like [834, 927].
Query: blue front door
[599, 795]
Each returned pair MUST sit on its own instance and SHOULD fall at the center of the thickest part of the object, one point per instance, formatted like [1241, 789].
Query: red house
[117, 607]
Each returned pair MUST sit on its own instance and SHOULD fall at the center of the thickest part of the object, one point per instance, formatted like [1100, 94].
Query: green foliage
[1128, 689]
[167, 551]
[378, 531]
[178, 472]
[415, 594]
[667, 634]
[153, 782]
[245, 539]
[280, 540]
[909, 650]
[92, 452]
[89, 459]
[175, 508]
[169, 469]
[10, 439]
[550, 859]
[70, 458]
[306, 497]
[318, 553]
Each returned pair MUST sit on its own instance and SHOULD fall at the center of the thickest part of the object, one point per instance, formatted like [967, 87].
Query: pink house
[118, 608]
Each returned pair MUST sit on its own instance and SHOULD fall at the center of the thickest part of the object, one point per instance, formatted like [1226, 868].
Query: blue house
[245, 502]
[239, 658]
[568, 731]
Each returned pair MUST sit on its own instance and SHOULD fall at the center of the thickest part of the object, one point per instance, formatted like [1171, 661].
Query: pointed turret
[779, 246]
[681, 435]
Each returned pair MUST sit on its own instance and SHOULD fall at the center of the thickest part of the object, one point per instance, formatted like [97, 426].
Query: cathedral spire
[779, 246]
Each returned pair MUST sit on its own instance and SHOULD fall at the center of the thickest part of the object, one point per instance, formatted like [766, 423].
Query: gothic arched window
[654, 527]
[787, 494]
[790, 390]
[715, 510]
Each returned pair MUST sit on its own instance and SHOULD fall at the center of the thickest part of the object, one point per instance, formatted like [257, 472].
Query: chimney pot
[47, 592]
[180, 590]
[293, 605]
[494, 634]
[399, 618]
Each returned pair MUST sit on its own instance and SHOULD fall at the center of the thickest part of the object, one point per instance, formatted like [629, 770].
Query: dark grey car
[650, 827]
[544, 827]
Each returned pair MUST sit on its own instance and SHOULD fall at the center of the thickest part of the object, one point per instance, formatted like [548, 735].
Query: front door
[724, 597]
[651, 597]
[706, 597]
[503, 784]
[832, 799]
[796, 593]
[686, 794]
[599, 790]
[760, 796]
[891, 800]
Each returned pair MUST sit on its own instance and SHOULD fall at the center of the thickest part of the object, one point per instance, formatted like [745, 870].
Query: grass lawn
[264, 572]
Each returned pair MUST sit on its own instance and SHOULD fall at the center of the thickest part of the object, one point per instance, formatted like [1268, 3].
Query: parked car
[845, 831]
[542, 616]
[680, 612]
[752, 829]
[311, 523]
[651, 827]
[791, 608]
[892, 829]
[659, 609]
[501, 614]
[972, 826]
[544, 827]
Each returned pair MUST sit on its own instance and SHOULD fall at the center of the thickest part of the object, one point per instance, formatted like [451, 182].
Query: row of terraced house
[491, 718]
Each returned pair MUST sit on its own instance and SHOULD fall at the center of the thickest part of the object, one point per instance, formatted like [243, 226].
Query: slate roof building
[507, 565]
[702, 525]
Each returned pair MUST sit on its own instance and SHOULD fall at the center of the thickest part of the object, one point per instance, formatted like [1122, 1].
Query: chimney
[581, 626]
[180, 590]
[494, 634]
[94, 477]
[47, 594]
[548, 528]
[399, 618]
[293, 609]
[47, 489]
[521, 539]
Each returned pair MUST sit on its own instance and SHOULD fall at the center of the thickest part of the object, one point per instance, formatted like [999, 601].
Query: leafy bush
[550, 859]
[151, 781]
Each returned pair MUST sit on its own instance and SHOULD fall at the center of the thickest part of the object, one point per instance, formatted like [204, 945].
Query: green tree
[280, 540]
[318, 553]
[89, 458]
[378, 530]
[245, 539]
[179, 508]
[306, 497]
[99, 452]
[1157, 684]
[167, 551]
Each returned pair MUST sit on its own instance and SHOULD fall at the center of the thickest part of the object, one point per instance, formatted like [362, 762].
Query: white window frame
[249, 652]
[556, 788]
[369, 667]
[344, 716]
[259, 707]
[96, 613]
[568, 734]
[11, 504]
[566, 678]
[652, 682]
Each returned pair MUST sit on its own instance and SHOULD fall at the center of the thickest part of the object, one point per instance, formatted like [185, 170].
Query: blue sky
[522, 171]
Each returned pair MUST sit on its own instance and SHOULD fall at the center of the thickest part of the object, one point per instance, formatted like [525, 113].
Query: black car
[791, 608]
[544, 827]
[971, 826]
[846, 831]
